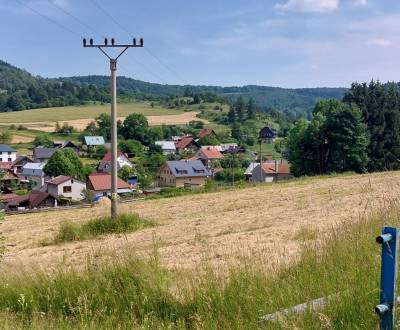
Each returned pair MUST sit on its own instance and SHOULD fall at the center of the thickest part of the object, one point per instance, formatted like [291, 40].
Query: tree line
[360, 133]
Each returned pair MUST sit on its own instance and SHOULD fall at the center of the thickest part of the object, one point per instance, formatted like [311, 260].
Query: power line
[102, 36]
[116, 22]
[49, 19]
[75, 18]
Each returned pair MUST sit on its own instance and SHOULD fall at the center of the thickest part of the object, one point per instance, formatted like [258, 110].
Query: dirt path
[80, 124]
[213, 227]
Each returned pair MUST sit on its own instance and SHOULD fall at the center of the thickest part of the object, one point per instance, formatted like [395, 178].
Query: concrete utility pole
[113, 68]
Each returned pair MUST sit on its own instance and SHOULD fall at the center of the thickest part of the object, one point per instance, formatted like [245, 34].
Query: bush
[125, 223]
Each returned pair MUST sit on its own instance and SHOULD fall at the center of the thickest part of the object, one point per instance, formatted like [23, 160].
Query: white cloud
[309, 5]
[318, 5]
[359, 3]
[380, 42]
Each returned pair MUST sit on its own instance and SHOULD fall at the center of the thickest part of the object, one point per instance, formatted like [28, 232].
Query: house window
[9, 152]
[67, 189]
[9, 159]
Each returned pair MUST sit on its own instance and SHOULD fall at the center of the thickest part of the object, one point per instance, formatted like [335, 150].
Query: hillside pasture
[270, 221]
[45, 119]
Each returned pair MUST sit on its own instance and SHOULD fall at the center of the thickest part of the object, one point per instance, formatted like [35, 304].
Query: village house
[186, 143]
[65, 144]
[183, 173]
[34, 200]
[209, 154]
[67, 187]
[271, 171]
[167, 147]
[8, 178]
[42, 154]
[93, 141]
[249, 170]
[100, 184]
[206, 132]
[19, 163]
[122, 160]
[33, 173]
[7, 154]
[267, 134]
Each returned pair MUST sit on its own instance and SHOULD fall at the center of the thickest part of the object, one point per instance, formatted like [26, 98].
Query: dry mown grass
[266, 220]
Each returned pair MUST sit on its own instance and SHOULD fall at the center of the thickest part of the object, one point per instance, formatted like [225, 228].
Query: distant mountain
[266, 97]
[20, 90]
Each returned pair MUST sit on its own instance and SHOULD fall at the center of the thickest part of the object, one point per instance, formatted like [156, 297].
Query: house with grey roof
[34, 174]
[42, 154]
[167, 147]
[7, 154]
[183, 173]
[93, 141]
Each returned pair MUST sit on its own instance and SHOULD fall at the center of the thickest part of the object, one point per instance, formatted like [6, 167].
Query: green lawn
[82, 112]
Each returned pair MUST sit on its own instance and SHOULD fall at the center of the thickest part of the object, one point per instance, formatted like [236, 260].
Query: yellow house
[183, 173]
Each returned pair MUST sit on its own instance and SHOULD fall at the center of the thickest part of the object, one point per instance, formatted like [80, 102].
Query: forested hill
[20, 90]
[271, 97]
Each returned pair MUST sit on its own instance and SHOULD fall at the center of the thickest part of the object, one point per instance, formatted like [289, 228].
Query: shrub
[125, 223]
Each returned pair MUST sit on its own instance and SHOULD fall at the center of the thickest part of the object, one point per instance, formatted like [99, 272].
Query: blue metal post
[387, 303]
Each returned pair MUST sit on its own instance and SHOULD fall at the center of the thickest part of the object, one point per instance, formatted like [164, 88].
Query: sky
[284, 43]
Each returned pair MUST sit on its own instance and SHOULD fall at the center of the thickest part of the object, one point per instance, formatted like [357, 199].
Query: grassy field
[62, 114]
[333, 221]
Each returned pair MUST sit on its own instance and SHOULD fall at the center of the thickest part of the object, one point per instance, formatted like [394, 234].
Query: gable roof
[35, 198]
[276, 168]
[166, 145]
[6, 148]
[34, 166]
[6, 165]
[64, 144]
[210, 152]
[250, 168]
[267, 132]
[21, 159]
[187, 168]
[94, 140]
[102, 181]
[107, 156]
[59, 180]
[43, 153]
[185, 142]
[205, 132]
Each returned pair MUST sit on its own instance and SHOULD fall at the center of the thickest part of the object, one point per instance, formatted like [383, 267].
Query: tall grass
[130, 293]
[124, 223]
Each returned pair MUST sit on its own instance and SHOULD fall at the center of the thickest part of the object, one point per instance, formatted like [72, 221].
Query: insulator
[91, 42]
[141, 42]
[84, 41]
[112, 41]
[105, 41]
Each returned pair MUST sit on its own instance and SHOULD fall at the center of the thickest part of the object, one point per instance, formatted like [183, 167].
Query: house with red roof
[206, 132]
[34, 200]
[66, 187]
[122, 160]
[208, 154]
[100, 184]
[271, 171]
[186, 143]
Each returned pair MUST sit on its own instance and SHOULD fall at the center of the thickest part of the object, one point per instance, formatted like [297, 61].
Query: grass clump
[130, 293]
[125, 223]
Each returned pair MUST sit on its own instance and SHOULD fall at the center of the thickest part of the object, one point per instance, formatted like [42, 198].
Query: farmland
[79, 116]
[213, 227]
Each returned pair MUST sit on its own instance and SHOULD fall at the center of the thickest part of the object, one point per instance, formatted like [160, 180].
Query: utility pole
[113, 68]
[261, 163]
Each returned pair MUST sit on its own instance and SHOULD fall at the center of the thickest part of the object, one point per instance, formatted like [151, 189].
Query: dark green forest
[361, 133]
[291, 101]
[19, 90]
